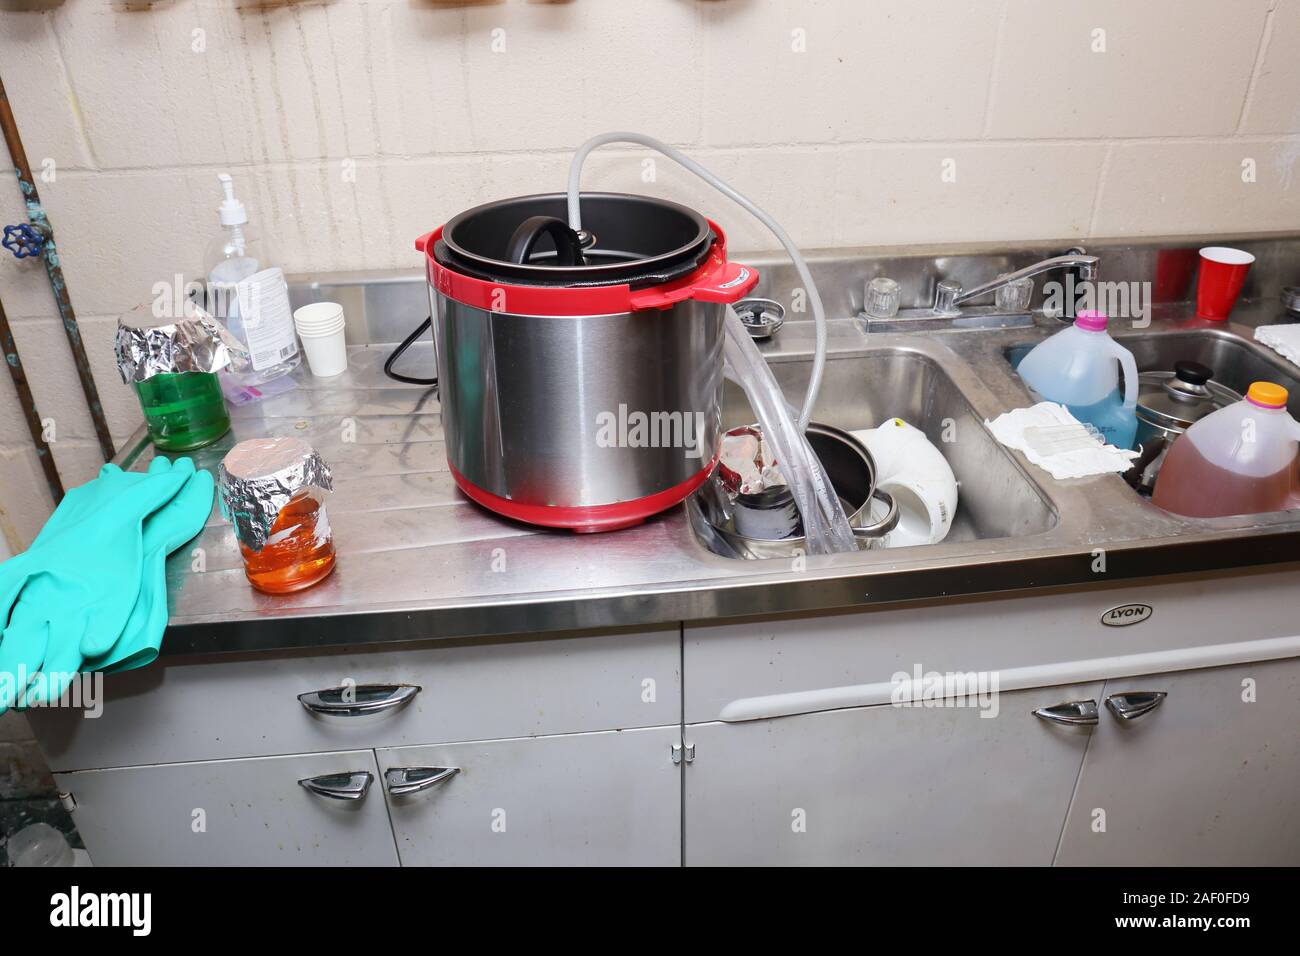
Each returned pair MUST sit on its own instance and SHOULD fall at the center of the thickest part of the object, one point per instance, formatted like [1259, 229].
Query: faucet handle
[881, 298]
[945, 297]
[1015, 296]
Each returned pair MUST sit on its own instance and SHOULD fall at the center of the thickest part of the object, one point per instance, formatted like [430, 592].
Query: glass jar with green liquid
[172, 364]
[183, 410]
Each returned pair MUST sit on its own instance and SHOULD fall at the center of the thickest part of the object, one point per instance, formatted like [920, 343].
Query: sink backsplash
[383, 307]
[842, 274]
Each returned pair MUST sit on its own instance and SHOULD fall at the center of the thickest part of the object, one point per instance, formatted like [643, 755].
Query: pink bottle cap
[1090, 321]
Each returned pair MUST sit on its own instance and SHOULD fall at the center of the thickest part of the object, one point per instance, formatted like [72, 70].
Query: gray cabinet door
[230, 813]
[609, 799]
[885, 785]
[1209, 777]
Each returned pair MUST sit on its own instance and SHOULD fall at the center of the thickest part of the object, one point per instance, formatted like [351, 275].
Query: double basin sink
[947, 383]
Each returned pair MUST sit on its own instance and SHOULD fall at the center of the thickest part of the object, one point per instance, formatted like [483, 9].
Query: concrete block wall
[353, 126]
[23, 774]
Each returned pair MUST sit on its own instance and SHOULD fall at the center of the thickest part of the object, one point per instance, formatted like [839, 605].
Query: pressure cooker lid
[1176, 399]
[632, 240]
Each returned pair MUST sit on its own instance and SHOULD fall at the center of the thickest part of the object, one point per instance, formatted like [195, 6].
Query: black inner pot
[850, 474]
[639, 241]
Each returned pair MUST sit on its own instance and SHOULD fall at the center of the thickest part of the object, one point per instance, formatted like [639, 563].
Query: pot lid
[626, 240]
[1174, 400]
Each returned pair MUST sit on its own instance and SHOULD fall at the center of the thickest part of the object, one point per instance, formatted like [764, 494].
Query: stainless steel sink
[995, 499]
[947, 383]
[1236, 361]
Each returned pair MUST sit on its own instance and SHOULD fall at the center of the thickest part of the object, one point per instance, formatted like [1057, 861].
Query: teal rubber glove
[91, 498]
[164, 531]
[71, 593]
[77, 504]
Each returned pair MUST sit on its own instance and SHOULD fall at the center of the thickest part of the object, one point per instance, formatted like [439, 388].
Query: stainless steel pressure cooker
[580, 374]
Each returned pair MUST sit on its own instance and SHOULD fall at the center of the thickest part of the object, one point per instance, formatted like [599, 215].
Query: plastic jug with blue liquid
[1079, 367]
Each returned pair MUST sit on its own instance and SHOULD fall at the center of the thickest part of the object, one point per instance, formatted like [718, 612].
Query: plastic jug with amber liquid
[1242, 459]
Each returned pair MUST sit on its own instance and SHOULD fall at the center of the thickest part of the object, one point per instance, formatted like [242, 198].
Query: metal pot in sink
[580, 372]
[1168, 404]
[852, 472]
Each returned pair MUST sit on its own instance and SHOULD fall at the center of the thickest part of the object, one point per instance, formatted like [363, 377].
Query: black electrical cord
[397, 353]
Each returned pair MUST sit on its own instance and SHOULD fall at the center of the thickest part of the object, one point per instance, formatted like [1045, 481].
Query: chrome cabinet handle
[348, 785]
[1074, 713]
[404, 780]
[1134, 703]
[359, 700]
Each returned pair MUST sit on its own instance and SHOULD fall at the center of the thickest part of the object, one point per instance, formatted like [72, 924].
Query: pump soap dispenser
[248, 293]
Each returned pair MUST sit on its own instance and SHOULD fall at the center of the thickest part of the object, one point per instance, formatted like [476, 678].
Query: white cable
[819, 313]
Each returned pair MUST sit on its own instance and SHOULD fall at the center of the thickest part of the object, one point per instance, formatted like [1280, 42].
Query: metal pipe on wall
[28, 402]
[49, 253]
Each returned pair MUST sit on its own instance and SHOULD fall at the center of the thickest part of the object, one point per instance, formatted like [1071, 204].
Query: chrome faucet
[948, 294]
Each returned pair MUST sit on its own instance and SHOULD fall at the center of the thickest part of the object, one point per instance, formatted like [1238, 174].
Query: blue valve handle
[23, 240]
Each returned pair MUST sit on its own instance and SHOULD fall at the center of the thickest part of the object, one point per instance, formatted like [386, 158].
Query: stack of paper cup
[320, 326]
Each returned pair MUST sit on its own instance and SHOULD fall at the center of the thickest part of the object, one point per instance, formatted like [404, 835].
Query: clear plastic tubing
[640, 139]
[826, 529]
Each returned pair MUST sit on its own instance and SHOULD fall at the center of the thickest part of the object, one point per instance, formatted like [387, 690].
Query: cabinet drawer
[753, 659]
[603, 799]
[205, 709]
[231, 813]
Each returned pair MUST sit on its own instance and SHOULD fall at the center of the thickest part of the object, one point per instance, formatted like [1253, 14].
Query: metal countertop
[417, 560]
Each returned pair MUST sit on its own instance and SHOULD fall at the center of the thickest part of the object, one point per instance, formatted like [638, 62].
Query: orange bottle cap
[1267, 394]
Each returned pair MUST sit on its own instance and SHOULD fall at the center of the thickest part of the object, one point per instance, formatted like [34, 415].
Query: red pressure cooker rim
[716, 280]
[613, 516]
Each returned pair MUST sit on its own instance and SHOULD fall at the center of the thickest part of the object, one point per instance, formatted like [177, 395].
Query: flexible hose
[639, 139]
[826, 528]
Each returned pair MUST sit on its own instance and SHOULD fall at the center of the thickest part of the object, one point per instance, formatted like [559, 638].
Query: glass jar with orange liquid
[273, 492]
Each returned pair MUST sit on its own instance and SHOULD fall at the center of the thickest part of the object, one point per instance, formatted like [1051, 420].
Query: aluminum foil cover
[147, 345]
[259, 476]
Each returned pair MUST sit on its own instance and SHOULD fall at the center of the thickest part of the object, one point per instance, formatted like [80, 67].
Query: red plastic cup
[1174, 268]
[1223, 271]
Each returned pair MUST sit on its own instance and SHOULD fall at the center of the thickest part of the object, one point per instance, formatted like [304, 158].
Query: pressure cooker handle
[568, 249]
[725, 282]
